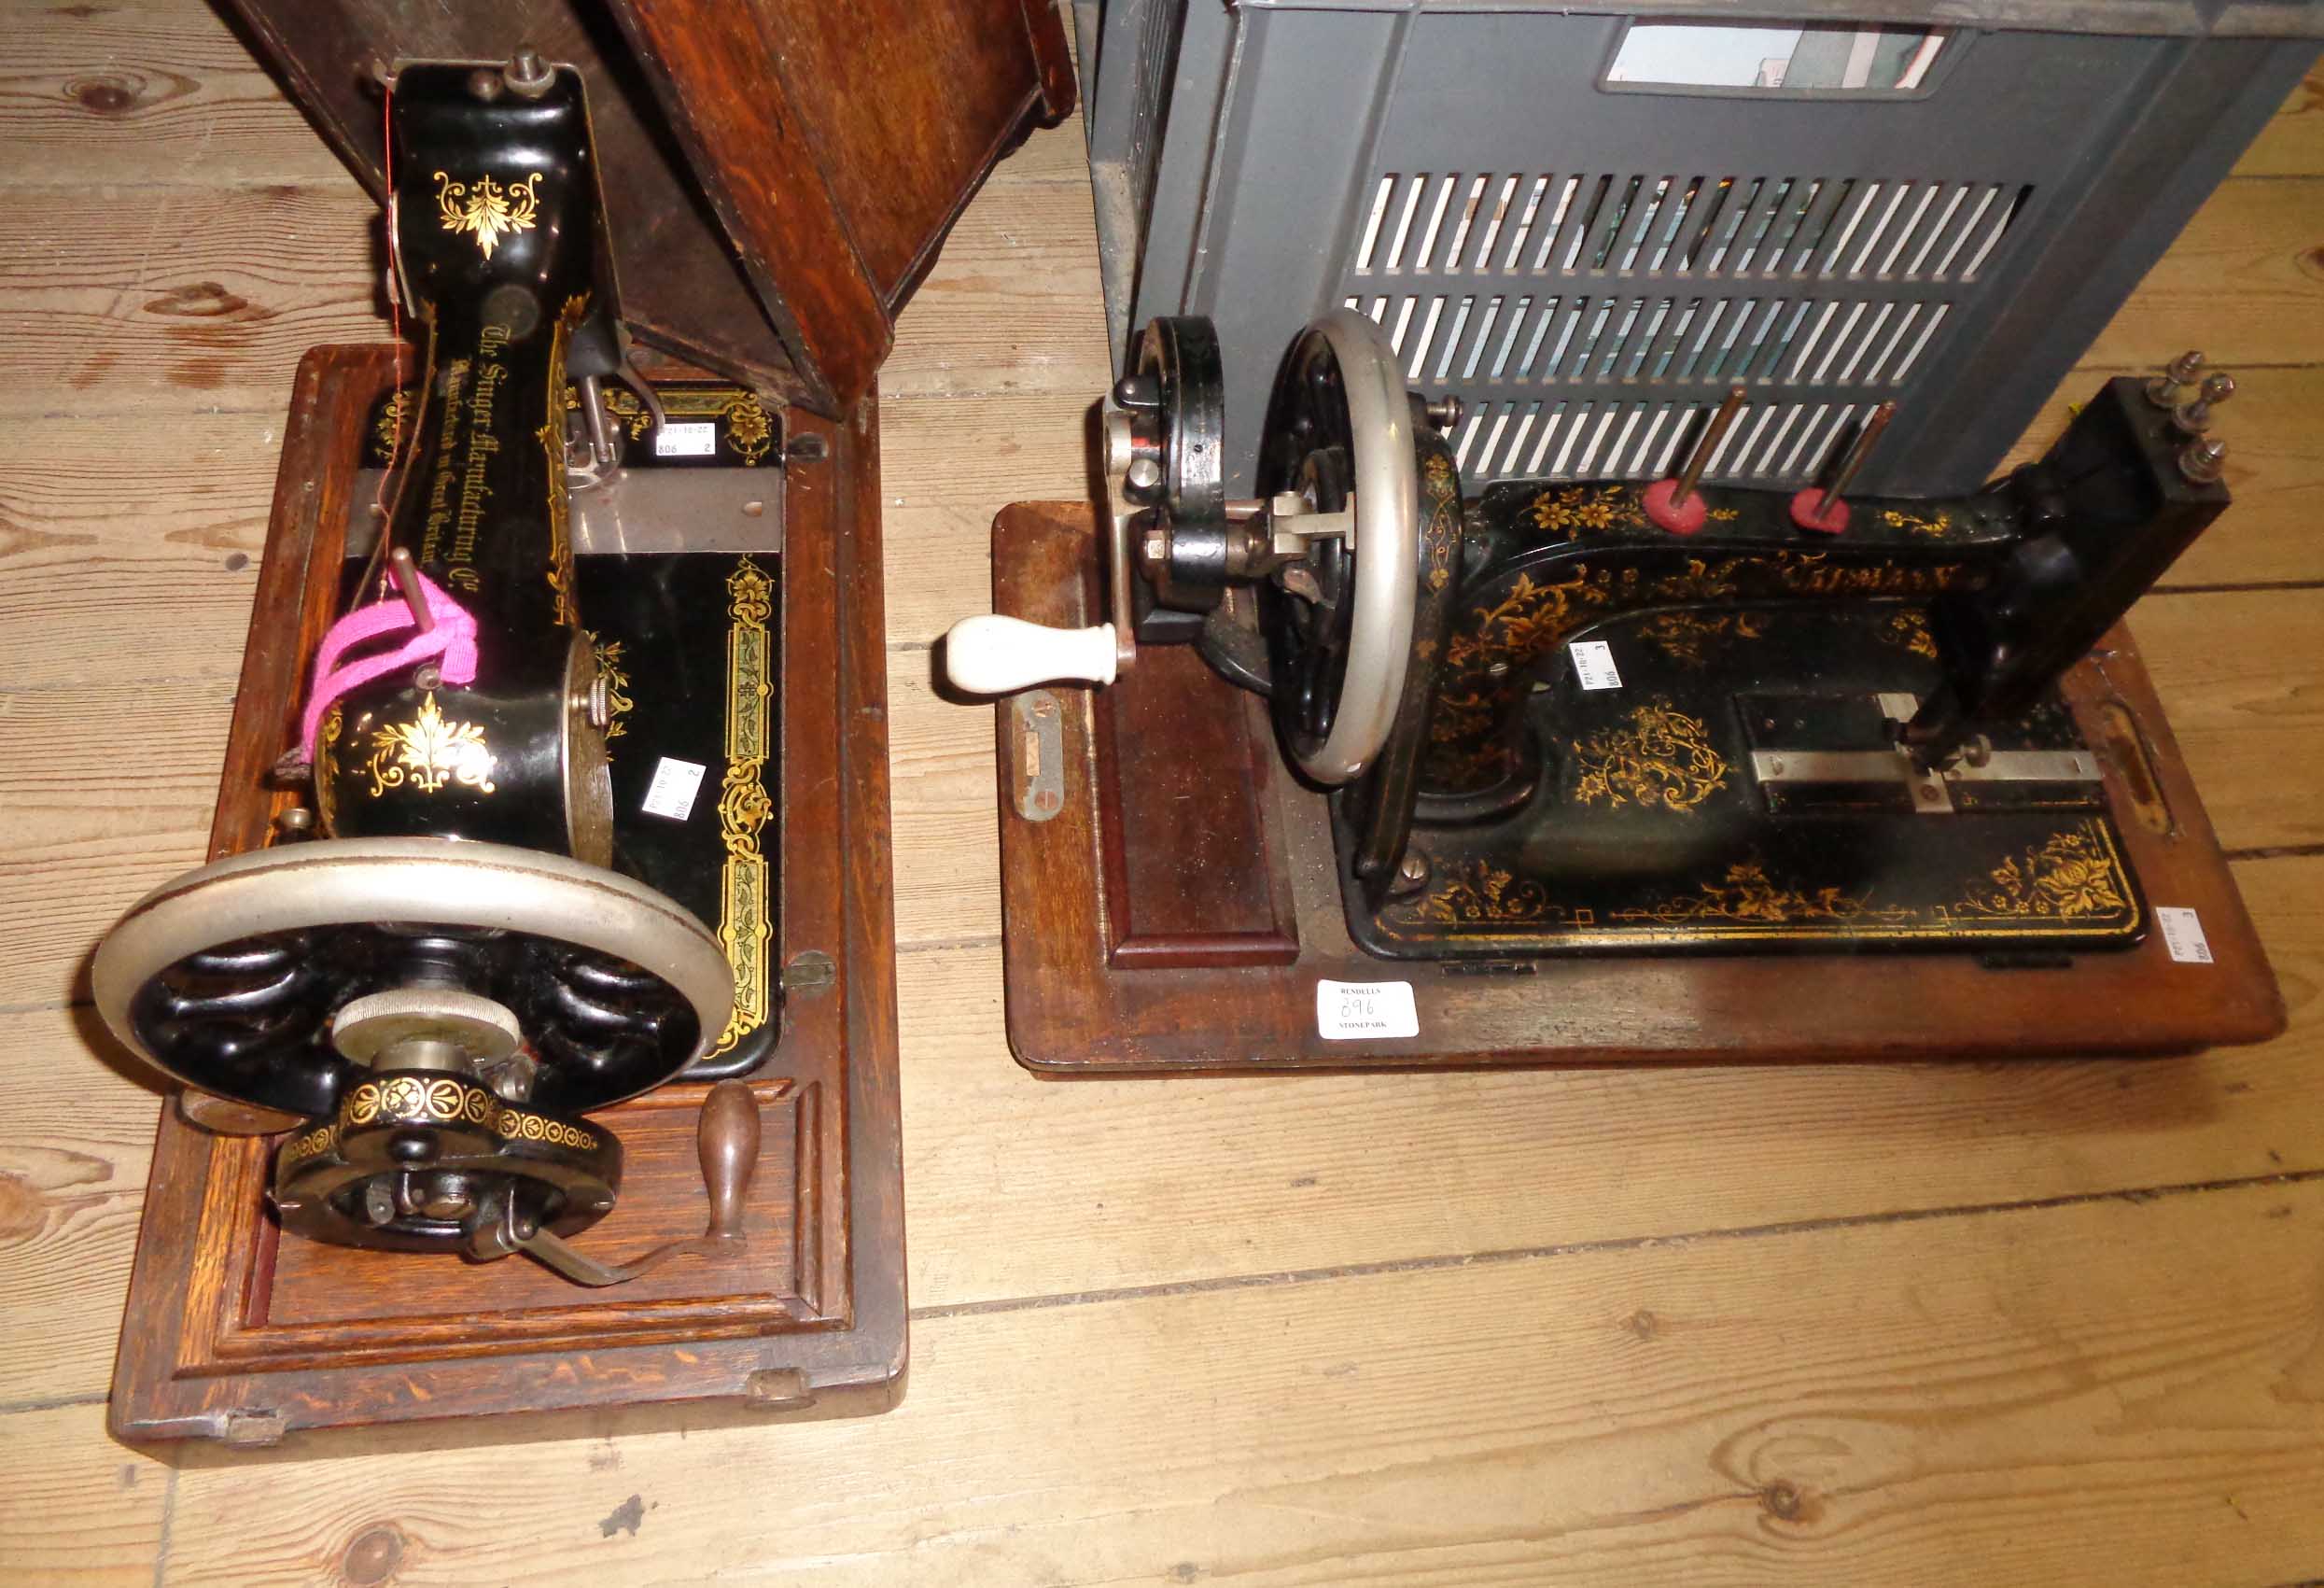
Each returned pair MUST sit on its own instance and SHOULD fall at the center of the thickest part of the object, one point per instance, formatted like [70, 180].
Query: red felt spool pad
[1667, 513]
[1812, 511]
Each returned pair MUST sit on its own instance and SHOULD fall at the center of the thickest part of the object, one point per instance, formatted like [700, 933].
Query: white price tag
[691, 438]
[1346, 1010]
[1593, 665]
[672, 792]
[2182, 935]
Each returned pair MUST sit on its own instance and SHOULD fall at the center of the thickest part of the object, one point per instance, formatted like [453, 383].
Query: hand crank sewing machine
[535, 1009]
[449, 973]
[1590, 768]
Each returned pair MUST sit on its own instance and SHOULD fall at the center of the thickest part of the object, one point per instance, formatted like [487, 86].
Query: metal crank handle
[728, 1139]
[991, 654]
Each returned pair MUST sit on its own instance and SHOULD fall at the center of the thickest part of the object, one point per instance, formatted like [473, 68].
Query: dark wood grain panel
[1218, 894]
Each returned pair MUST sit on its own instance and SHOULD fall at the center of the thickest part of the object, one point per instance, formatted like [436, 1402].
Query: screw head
[2205, 460]
[1143, 476]
[1413, 867]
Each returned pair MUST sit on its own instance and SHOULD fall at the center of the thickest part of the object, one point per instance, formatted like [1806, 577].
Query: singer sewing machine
[1373, 773]
[533, 1016]
[439, 973]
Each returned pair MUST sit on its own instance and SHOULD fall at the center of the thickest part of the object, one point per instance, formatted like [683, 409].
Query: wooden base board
[1076, 1008]
[237, 1334]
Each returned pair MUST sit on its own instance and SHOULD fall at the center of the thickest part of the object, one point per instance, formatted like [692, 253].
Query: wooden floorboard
[2032, 1322]
[2117, 1391]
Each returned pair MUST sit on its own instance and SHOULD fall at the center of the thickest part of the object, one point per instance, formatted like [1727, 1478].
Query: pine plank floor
[2056, 1322]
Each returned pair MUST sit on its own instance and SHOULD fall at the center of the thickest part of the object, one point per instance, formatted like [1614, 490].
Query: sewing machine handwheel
[418, 1162]
[279, 977]
[1341, 424]
[1176, 398]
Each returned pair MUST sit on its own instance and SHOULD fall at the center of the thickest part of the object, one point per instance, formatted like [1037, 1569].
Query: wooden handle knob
[728, 1136]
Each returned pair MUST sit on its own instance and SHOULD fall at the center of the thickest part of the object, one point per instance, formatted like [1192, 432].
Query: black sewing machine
[464, 952]
[1565, 728]
[549, 887]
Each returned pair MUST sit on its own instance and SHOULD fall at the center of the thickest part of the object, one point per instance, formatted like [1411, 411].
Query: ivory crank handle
[990, 655]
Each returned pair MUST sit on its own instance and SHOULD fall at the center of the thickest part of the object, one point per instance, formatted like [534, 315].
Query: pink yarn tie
[451, 643]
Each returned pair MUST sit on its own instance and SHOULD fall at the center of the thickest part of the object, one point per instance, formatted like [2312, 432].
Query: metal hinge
[250, 1429]
[810, 971]
[778, 1389]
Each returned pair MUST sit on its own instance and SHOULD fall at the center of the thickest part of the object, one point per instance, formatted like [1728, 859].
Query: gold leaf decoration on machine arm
[485, 209]
[429, 751]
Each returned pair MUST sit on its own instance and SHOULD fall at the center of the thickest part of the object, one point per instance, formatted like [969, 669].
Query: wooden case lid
[779, 173]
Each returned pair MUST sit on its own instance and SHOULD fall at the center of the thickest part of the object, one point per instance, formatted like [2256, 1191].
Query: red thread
[395, 292]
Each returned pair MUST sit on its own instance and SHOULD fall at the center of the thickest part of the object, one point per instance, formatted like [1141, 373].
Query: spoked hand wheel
[1339, 436]
[441, 1012]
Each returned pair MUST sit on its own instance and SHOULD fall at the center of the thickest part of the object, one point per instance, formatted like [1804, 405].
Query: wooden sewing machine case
[775, 185]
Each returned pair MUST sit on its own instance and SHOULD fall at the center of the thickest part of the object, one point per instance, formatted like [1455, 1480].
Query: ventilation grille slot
[1588, 319]
[1156, 56]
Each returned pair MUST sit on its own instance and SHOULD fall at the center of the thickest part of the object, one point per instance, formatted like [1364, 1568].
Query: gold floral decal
[1443, 532]
[486, 210]
[2072, 877]
[401, 1099]
[388, 427]
[327, 768]
[748, 431]
[750, 428]
[744, 806]
[1661, 759]
[516, 1125]
[624, 406]
[1528, 620]
[429, 751]
[1745, 895]
[1570, 510]
[1934, 528]
[1482, 892]
[1685, 637]
[1494, 643]
[321, 1139]
[1907, 627]
[409, 1097]
[608, 657]
[1459, 716]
